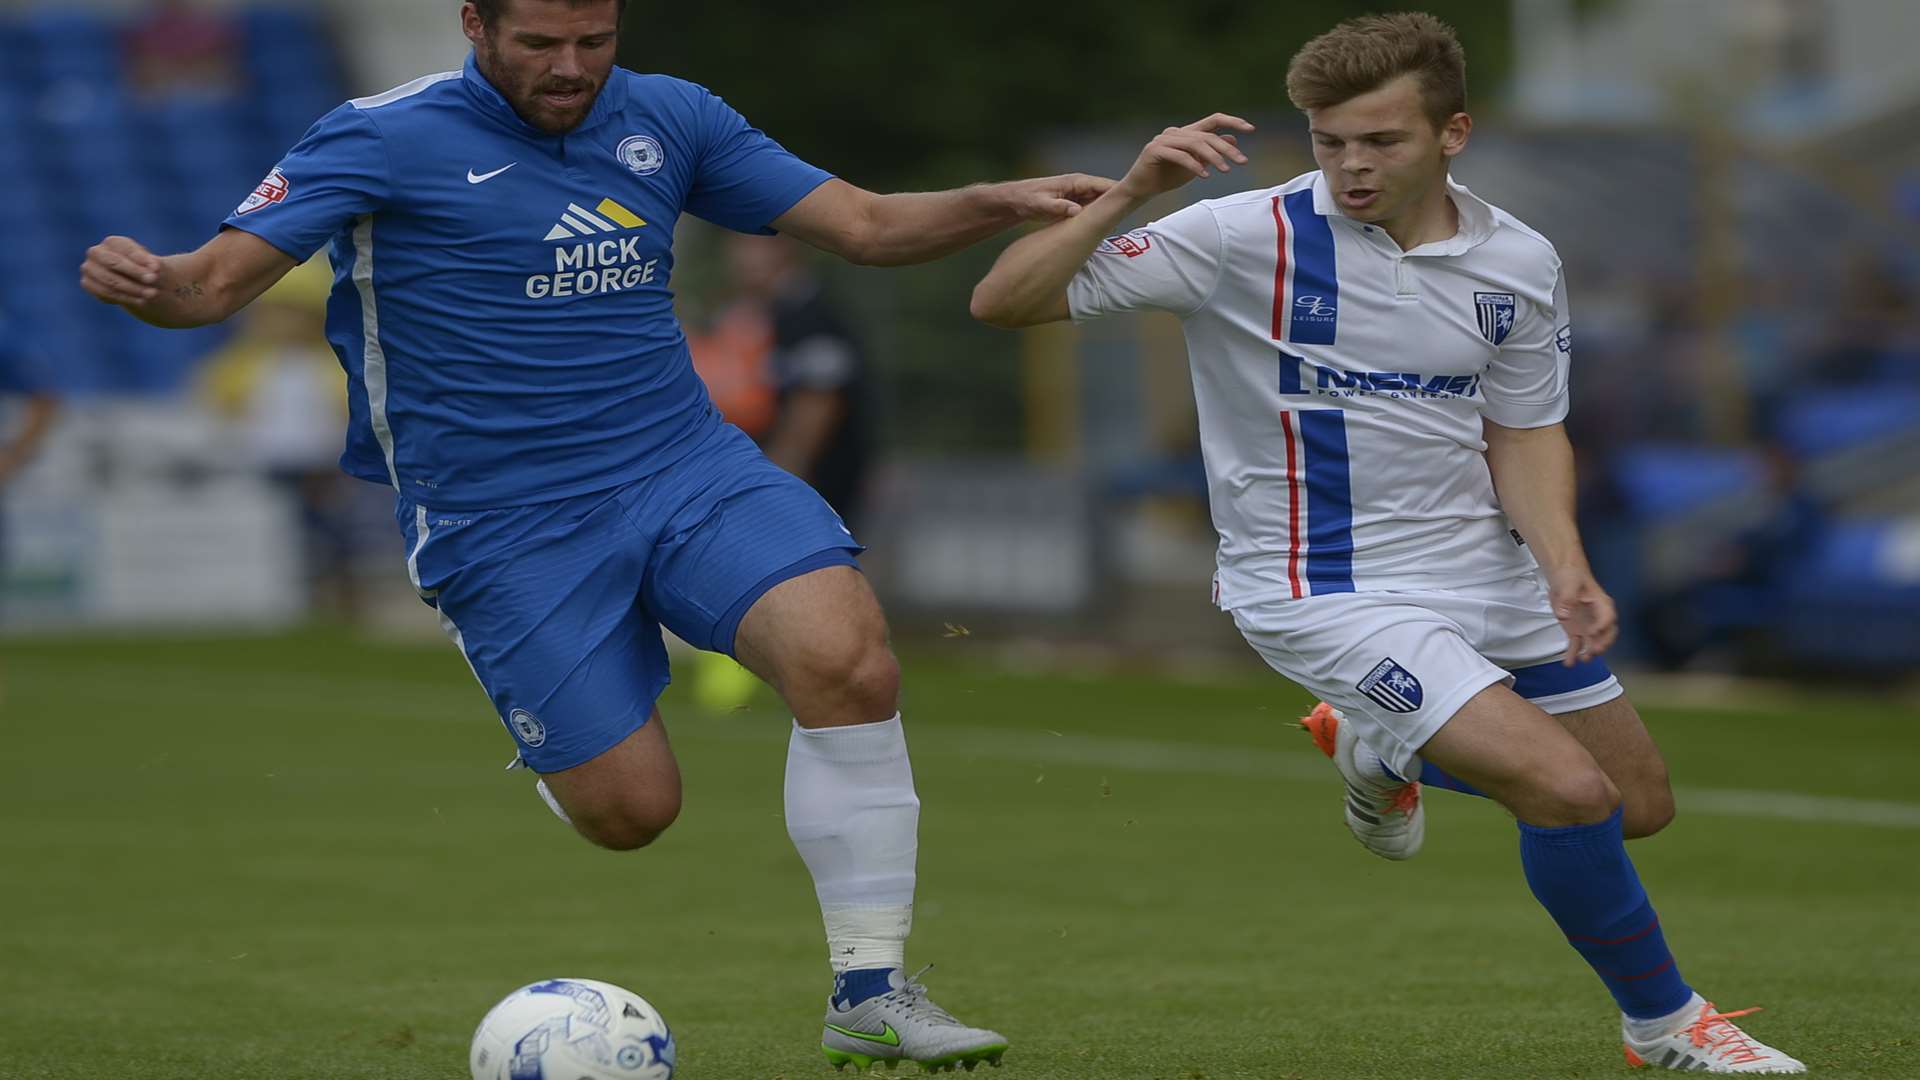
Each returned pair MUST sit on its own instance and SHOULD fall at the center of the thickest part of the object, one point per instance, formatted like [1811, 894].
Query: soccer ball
[572, 1029]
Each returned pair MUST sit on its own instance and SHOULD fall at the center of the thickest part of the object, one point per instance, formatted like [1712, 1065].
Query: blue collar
[612, 99]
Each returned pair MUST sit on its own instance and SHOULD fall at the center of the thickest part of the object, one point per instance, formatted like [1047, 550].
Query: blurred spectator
[1739, 592]
[180, 51]
[782, 364]
[815, 368]
[733, 353]
[284, 393]
[27, 412]
[1873, 317]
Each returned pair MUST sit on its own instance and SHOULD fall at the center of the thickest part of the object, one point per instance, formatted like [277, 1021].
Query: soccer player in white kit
[1380, 368]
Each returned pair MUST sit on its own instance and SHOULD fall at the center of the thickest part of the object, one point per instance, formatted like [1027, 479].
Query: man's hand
[1053, 198]
[120, 271]
[1179, 155]
[226, 274]
[1586, 613]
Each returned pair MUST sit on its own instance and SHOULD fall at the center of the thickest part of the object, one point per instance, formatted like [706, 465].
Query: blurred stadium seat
[80, 159]
[1662, 481]
[1840, 419]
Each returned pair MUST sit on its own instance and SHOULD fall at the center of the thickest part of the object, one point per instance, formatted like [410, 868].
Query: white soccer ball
[572, 1029]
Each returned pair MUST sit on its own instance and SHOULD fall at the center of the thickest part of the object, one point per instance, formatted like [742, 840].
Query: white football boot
[1710, 1043]
[1384, 814]
[902, 1024]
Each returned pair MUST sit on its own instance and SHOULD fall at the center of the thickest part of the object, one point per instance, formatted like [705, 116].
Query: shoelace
[1734, 1045]
[914, 1003]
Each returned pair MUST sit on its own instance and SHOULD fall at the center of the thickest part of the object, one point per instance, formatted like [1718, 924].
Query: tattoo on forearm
[190, 289]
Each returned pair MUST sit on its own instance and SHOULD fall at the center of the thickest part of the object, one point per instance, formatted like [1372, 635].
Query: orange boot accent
[1323, 724]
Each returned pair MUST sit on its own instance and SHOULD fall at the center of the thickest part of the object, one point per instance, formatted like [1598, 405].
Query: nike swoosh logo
[885, 1037]
[481, 178]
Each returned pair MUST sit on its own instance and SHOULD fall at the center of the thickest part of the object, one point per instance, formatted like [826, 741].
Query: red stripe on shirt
[1293, 506]
[1280, 308]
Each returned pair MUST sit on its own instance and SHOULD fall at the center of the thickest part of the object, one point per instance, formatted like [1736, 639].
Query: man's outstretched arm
[1028, 285]
[900, 230]
[180, 291]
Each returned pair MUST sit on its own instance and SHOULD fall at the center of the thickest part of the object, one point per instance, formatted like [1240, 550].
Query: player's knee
[874, 680]
[631, 823]
[859, 671]
[1649, 807]
[1577, 796]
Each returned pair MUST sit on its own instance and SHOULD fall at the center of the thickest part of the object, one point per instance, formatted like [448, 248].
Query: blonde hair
[1363, 54]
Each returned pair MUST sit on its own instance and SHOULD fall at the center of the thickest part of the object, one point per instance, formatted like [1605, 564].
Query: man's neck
[1435, 218]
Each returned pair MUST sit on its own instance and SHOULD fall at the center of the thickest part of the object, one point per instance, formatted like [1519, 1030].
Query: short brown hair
[490, 10]
[1366, 53]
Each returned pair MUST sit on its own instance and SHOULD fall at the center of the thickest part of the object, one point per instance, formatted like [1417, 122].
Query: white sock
[854, 817]
[1373, 765]
[1661, 1026]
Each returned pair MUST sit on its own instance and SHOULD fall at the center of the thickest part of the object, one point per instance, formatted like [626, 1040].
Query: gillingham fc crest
[1494, 311]
[1393, 687]
[642, 154]
[527, 727]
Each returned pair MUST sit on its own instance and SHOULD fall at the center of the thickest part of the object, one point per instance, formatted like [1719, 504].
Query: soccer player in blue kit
[501, 238]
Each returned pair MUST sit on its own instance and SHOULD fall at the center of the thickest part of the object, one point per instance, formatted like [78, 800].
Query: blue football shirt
[501, 300]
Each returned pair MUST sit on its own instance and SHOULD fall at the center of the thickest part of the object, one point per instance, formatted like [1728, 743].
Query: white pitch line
[1793, 806]
[1089, 751]
[1201, 759]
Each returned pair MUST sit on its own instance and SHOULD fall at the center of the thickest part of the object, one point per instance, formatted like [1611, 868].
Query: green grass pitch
[298, 857]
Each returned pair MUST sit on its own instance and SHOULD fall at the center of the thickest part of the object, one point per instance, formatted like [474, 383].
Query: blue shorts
[558, 606]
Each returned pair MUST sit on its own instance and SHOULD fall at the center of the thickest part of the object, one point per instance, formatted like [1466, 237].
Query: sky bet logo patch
[1132, 245]
[271, 192]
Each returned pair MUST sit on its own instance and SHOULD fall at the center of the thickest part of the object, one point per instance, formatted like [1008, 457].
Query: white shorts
[1400, 664]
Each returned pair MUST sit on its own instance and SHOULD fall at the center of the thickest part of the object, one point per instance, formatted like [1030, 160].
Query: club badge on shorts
[528, 727]
[1393, 687]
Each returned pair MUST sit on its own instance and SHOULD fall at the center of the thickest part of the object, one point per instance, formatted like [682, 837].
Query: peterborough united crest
[1495, 310]
[528, 727]
[1393, 687]
[642, 154]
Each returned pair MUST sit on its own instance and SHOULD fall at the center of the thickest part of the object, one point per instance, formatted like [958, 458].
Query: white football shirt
[1341, 381]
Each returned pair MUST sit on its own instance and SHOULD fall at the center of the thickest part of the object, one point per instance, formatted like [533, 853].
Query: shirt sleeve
[336, 173]
[743, 179]
[1171, 265]
[1526, 385]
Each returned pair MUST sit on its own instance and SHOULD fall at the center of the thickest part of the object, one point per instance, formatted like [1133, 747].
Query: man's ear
[1453, 136]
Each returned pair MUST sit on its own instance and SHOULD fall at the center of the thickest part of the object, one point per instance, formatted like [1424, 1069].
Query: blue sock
[1434, 776]
[1582, 876]
[850, 988]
